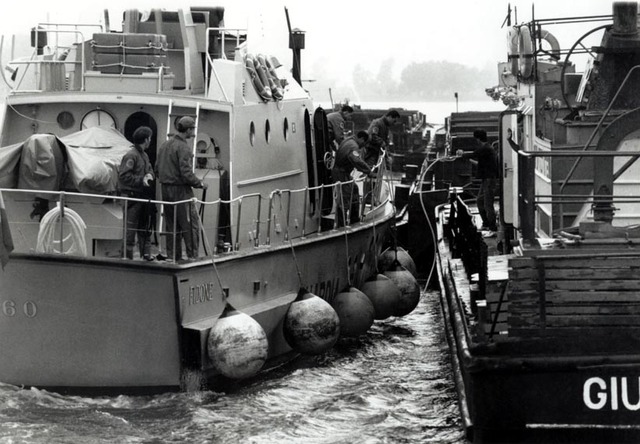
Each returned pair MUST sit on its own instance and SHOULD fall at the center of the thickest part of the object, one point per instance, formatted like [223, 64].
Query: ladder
[171, 116]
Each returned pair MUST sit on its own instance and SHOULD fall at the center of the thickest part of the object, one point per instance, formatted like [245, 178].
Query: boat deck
[565, 296]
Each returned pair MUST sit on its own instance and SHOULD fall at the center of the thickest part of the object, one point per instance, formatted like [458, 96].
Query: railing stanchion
[125, 209]
[304, 211]
[257, 239]
[236, 244]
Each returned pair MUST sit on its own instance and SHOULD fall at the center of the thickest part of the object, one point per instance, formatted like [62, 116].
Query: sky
[341, 34]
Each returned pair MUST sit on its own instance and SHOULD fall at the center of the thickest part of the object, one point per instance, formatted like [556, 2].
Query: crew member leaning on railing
[348, 157]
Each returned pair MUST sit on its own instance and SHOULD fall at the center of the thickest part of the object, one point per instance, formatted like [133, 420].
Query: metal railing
[209, 60]
[58, 54]
[529, 199]
[100, 221]
[39, 61]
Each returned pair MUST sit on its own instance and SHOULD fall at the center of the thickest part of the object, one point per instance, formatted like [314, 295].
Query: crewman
[135, 179]
[175, 173]
[337, 124]
[348, 157]
[379, 135]
[488, 172]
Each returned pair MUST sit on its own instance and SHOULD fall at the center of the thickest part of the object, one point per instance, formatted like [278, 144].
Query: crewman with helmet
[348, 157]
[175, 173]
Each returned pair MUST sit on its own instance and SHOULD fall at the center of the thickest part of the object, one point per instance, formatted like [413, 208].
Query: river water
[393, 385]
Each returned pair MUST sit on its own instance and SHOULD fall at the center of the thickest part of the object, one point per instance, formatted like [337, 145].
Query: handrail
[573, 153]
[223, 56]
[4, 78]
[160, 79]
[596, 129]
[239, 221]
[529, 198]
[38, 62]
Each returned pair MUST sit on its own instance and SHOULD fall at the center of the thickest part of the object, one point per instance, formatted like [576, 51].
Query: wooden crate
[556, 296]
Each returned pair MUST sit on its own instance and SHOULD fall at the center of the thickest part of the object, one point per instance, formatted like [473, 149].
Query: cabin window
[252, 133]
[66, 120]
[285, 128]
[267, 130]
[98, 117]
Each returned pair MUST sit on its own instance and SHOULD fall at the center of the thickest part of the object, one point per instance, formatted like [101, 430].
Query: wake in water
[393, 385]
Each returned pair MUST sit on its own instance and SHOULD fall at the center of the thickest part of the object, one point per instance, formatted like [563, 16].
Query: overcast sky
[342, 33]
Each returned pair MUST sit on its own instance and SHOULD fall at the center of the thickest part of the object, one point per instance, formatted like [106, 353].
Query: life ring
[204, 149]
[262, 74]
[552, 41]
[261, 89]
[272, 65]
[329, 160]
[274, 83]
[525, 52]
[512, 50]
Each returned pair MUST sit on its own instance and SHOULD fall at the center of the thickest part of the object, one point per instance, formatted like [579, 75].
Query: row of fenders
[238, 347]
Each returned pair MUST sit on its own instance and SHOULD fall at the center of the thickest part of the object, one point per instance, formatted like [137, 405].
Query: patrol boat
[77, 316]
[542, 322]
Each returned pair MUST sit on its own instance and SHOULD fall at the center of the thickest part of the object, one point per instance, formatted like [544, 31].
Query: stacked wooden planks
[578, 294]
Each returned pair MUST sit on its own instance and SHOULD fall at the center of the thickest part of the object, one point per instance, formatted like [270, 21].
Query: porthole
[285, 128]
[252, 134]
[65, 120]
[98, 117]
[267, 131]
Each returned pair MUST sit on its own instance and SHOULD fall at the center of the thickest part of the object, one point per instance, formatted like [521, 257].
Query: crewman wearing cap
[175, 173]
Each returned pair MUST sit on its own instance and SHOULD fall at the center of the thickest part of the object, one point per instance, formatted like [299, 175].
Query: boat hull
[127, 326]
[507, 394]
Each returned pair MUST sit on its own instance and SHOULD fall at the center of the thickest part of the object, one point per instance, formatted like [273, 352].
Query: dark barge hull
[520, 393]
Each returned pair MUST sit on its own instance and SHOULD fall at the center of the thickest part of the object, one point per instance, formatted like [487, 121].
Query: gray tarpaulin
[86, 161]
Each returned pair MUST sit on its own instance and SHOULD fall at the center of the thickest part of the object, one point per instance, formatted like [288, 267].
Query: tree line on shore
[429, 81]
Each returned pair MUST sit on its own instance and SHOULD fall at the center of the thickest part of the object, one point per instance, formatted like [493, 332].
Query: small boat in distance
[543, 321]
[77, 316]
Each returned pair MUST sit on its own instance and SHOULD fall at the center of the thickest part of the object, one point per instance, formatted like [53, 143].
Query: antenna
[507, 19]
[296, 43]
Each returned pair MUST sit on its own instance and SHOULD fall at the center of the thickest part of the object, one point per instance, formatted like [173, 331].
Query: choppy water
[392, 386]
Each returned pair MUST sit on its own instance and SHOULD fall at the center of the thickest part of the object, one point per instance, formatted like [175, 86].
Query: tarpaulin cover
[41, 164]
[9, 158]
[92, 160]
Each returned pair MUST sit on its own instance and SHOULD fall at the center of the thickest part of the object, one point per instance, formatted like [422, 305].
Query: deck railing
[528, 199]
[50, 70]
[94, 225]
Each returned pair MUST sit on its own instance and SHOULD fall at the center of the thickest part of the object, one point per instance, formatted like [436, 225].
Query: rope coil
[47, 232]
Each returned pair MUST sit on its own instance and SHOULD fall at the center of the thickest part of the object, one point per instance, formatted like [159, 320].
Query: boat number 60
[29, 309]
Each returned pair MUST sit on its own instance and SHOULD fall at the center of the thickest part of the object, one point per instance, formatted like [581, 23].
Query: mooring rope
[213, 262]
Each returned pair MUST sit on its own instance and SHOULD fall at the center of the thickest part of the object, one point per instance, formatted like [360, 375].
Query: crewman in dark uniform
[348, 157]
[379, 135]
[337, 124]
[175, 173]
[135, 180]
[488, 172]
